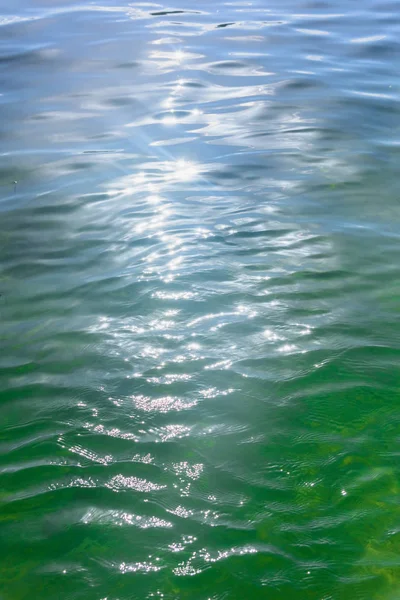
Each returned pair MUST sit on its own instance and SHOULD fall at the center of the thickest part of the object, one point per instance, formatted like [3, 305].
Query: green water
[200, 300]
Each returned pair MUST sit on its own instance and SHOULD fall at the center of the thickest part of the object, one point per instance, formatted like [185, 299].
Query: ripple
[119, 482]
[162, 405]
[122, 519]
[144, 567]
[198, 298]
[367, 40]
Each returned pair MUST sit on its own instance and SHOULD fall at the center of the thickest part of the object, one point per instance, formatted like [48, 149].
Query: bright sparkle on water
[199, 268]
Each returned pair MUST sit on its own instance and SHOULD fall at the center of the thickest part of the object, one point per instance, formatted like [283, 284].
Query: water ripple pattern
[199, 254]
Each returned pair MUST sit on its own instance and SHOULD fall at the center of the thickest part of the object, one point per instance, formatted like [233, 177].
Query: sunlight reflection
[185, 170]
[169, 119]
[176, 91]
[168, 102]
[271, 336]
[165, 60]
[156, 176]
[179, 56]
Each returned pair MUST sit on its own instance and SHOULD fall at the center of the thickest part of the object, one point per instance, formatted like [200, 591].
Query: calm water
[200, 300]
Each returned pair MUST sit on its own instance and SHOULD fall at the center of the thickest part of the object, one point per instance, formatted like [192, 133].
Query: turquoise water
[199, 310]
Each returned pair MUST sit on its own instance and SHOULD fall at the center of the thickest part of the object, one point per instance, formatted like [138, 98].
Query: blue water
[199, 309]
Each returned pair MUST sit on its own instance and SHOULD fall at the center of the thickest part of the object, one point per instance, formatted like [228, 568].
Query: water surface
[199, 279]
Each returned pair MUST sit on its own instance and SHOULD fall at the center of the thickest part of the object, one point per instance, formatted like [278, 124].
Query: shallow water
[199, 279]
